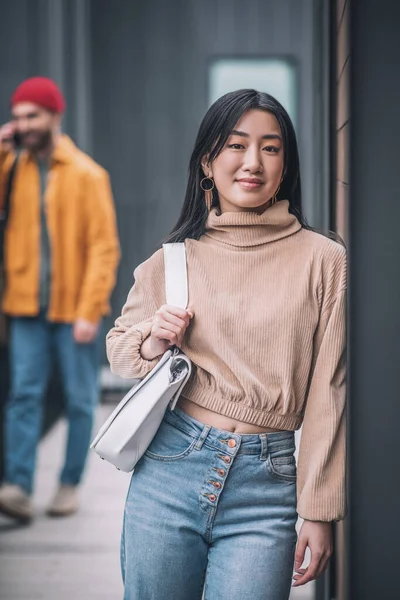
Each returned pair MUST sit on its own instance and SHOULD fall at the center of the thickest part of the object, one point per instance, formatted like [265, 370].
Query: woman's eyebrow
[267, 136]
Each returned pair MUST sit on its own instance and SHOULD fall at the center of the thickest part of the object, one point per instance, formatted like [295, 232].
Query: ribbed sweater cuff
[142, 366]
[316, 503]
[129, 362]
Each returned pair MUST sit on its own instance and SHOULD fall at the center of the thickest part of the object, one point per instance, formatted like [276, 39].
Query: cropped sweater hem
[244, 413]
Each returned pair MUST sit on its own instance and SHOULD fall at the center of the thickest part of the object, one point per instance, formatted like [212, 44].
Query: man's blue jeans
[34, 343]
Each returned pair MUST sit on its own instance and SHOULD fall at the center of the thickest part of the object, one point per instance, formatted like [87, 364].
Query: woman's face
[249, 170]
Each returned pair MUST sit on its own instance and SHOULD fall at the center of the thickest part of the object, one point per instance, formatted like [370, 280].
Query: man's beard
[41, 141]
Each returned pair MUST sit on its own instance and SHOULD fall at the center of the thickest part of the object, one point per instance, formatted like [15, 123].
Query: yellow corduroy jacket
[82, 232]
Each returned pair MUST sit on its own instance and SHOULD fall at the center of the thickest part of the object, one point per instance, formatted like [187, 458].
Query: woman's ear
[206, 167]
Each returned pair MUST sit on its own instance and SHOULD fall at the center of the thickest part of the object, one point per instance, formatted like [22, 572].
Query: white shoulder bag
[130, 428]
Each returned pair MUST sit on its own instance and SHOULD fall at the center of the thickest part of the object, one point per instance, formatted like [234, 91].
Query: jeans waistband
[260, 444]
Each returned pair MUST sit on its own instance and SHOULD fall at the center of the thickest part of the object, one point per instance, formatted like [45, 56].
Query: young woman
[213, 502]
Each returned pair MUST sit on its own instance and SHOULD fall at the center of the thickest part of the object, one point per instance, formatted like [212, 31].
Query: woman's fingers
[170, 324]
[300, 551]
[167, 317]
[159, 325]
[323, 566]
[316, 567]
[317, 535]
[165, 334]
[172, 318]
[181, 313]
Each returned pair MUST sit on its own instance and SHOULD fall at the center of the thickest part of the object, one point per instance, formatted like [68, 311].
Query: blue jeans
[213, 509]
[34, 342]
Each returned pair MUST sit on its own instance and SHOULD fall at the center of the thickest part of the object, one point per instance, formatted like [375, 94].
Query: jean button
[217, 485]
[227, 459]
[221, 472]
[232, 443]
[212, 497]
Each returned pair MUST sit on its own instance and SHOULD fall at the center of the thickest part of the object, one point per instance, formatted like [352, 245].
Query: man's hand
[7, 137]
[317, 535]
[85, 331]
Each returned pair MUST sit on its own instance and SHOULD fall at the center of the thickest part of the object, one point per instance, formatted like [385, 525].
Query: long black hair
[213, 134]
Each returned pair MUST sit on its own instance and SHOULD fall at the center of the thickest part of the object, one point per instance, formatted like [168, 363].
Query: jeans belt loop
[264, 446]
[202, 437]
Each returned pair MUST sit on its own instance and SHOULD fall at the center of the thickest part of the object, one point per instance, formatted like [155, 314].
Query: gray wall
[16, 60]
[374, 323]
[150, 63]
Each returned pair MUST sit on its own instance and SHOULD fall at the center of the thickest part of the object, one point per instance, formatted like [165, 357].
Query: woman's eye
[236, 146]
[272, 149]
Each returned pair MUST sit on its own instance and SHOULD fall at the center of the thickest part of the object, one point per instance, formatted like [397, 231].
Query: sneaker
[15, 502]
[65, 502]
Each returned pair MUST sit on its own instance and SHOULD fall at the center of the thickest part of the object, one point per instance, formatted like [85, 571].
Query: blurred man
[61, 255]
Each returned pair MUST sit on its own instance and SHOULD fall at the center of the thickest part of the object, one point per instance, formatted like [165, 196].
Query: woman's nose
[252, 161]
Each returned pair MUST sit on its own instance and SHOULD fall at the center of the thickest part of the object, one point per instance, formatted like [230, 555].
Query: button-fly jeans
[210, 509]
[34, 343]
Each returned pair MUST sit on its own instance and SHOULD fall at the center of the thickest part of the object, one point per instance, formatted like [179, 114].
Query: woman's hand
[317, 535]
[169, 327]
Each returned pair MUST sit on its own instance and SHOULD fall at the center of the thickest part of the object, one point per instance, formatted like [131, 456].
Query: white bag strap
[176, 286]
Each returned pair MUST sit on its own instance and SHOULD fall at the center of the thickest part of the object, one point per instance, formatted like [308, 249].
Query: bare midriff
[209, 417]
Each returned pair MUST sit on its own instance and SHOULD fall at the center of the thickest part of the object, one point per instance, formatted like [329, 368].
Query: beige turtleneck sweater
[267, 340]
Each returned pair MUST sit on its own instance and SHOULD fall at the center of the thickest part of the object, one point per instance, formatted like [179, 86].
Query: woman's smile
[250, 183]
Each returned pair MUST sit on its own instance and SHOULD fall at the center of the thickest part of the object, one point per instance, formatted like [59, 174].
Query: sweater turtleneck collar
[251, 229]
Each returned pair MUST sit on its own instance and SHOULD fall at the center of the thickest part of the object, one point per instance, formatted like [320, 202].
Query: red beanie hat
[42, 91]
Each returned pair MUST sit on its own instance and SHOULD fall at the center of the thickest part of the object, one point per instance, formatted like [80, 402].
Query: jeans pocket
[282, 467]
[170, 443]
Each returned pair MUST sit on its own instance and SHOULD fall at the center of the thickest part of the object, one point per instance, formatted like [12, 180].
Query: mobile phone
[16, 140]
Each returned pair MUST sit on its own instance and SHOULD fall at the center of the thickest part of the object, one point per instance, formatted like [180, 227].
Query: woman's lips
[250, 184]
